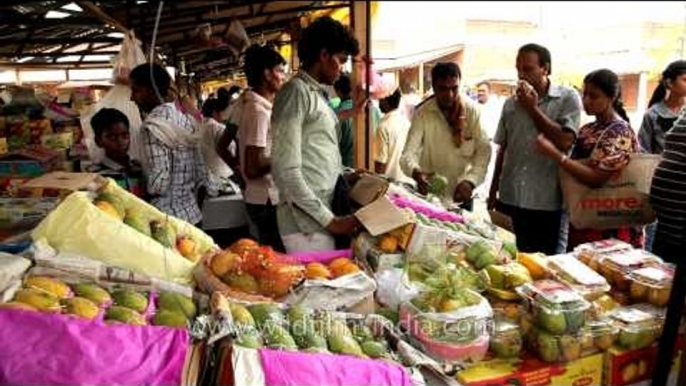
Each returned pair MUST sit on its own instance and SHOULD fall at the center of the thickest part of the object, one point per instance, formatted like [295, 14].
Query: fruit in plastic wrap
[130, 299]
[224, 262]
[243, 246]
[638, 291]
[510, 249]
[188, 248]
[138, 222]
[317, 271]
[125, 315]
[496, 274]
[476, 249]
[17, 306]
[604, 342]
[264, 312]
[92, 292]
[506, 340]
[163, 232]
[485, 259]
[169, 318]
[249, 340]
[548, 348]
[242, 281]
[344, 344]
[276, 336]
[38, 299]
[517, 275]
[388, 244]
[555, 322]
[177, 302]
[374, 349]
[659, 297]
[437, 184]
[634, 339]
[55, 287]
[535, 263]
[81, 307]
[241, 315]
[116, 202]
[570, 347]
[575, 320]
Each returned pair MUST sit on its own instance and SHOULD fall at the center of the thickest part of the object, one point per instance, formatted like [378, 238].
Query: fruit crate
[639, 325]
[651, 284]
[571, 272]
[554, 307]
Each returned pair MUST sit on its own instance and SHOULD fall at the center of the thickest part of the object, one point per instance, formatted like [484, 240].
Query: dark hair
[224, 96]
[608, 82]
[210, 106]
[488, 85]
[542, 52]
[673, 71]
[105, 118]
[258, 59]
[152, 76]
[445, 70]
[393, 100]
[327, 34]
[343, 84]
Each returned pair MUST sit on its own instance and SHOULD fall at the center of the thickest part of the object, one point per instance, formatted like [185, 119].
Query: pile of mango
[300, 328]
[89, 301]
[159, 230]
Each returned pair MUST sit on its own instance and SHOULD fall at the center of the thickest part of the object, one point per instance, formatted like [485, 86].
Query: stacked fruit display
[651, 284]
[506, 339]
[503, 279]
[639, 325]
[568, 270]
[93, 302]
[158, 229]
[557, 316]
[300, 328]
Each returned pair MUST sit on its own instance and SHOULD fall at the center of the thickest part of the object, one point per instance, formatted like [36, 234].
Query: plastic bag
[119, 97]
[78, 226]
[392, 290]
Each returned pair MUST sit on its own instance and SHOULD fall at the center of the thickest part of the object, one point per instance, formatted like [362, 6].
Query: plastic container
[616, 266]
[599, 335]
[639, 325]
[450, 353]
[554, 307]
[568, 270]
[553, 348]
[506, 339]
[651, 284]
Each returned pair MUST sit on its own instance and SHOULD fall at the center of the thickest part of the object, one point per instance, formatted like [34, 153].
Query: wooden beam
[363, 142]
[60, 65]
[101, 15]
[59, 54]
[55, 41]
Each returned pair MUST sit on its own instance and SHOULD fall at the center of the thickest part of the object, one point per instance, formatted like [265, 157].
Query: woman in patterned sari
[603, 148]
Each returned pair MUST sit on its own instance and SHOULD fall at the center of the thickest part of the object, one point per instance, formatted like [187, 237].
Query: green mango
[511, 249]
[125, 315]
[555, 322]
[548, 348]
[241, 315]
[130, 299]
[344, 344]
[138, 222]
[264, 312]
[570, 347]
[93, 293]
[276, 336]
[575, 320]
[476, 249]
[163, 233]
[116, 202]
[374, 349]
[496, 273]
[170, 318]
[173, 301]
[249, 340]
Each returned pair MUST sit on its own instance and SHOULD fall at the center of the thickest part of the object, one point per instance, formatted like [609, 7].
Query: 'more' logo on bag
[609, 203]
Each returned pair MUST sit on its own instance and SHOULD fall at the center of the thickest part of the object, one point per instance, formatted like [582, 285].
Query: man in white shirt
[391, 136]
[490, 108]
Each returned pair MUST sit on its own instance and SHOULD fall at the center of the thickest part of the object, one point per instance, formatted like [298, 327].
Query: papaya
[81, 307]
[39, 299]
[93, 293]
[53, 286]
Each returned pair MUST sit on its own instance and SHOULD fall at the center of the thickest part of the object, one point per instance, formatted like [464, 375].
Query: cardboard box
[635, 367]
[60, 184]
[532, 372]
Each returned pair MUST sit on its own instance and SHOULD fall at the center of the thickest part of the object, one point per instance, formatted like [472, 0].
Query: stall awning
[404, 61]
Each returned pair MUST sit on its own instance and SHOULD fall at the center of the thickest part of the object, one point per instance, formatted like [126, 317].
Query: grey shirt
[306, 162]
[529, 180]
[657, 121]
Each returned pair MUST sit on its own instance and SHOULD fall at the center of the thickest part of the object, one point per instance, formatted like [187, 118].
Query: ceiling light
[25, 59]
[116, 35]
[56, 15]
[72, 7]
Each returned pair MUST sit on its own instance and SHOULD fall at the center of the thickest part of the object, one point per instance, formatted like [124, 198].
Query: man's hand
[422, 180]
[527, 96]
[347, 225]
[463, 191]
[491, 201]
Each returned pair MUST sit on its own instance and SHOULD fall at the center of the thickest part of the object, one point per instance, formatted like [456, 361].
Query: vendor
[111, 128]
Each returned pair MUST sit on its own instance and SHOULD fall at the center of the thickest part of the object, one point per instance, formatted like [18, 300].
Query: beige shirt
[430, 146]
[391, 136]
[253, 130]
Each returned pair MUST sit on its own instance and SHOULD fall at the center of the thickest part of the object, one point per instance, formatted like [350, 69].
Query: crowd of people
[290, 149]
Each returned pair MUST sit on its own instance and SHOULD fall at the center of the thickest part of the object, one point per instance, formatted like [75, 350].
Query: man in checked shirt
[173, 165]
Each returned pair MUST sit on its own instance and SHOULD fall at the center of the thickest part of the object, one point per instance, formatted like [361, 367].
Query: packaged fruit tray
[554, 307]
[616, 266]
[639, 325]
[651, 284]
[506, 339]
[599, 335]
[568, 270]
[590, 251]
[554, 348]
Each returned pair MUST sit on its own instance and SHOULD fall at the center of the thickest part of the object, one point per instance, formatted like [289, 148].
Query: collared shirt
[129, 178]
[430, 146]
[217, 169]
[656, 123]
[529, 180]
[391, 136]
[306, 162]
[173, 174]
[346, 132]
[253, 130]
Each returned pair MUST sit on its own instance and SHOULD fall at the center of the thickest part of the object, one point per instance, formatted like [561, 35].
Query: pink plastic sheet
[46, 349]
[286, 368]
[324, 257]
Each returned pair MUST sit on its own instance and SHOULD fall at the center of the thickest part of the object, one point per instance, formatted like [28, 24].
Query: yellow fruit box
[532, 372]
[635, 367]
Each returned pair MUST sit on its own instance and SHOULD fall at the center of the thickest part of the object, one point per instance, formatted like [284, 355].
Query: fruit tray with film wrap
[506, 339]
[571, 272]
[590, 253]
[615, 267]
[651, 284]
[554, 307]
[640, 325]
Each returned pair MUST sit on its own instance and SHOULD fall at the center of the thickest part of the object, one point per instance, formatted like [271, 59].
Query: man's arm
[409, 161]
[381, 147]
[561, 132]
[288, 116]
[255, 134]
[223, 145]
[500, 138]
[157, 157]
[645, 134]
[482, 152]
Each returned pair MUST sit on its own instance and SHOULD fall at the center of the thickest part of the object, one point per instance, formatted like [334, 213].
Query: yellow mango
[53, 286]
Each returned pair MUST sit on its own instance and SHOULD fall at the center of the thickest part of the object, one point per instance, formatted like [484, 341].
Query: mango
[17, 306]
[344, 344]
[125, 315]
[93, 293]
[224, 262]
[374, 349]
[570, 348]
[169, 318]
[278, 337]
[659, 297]
[264, 312]
[163, 233]
[548, 348]
[81, 307]
[249, 340]
[553, 322]
[438, 184]
[176, 302]
[109, 209]
[41, 300]
[242, 281]
[130, 299]
[114, 200]
[138, 222]
[241, 315]
[188, 248]
[53, 286]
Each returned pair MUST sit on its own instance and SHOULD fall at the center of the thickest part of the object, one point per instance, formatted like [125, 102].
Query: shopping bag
[622, 201]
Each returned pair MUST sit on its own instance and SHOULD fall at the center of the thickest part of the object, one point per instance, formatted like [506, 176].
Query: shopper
[173, 165]
[306, 161]
[603, 148]
[447, 138]
[525, 183]
[664, 108]
[111, 129]
[391, 136]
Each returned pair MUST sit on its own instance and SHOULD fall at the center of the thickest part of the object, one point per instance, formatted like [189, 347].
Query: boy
[111, 129]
